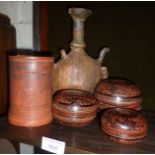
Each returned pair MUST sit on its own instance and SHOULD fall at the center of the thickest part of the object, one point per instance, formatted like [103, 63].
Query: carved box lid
[124, 125]
[118, 92]
[74, 107]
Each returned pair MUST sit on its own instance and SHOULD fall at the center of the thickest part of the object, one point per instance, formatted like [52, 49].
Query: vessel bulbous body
[77, 70]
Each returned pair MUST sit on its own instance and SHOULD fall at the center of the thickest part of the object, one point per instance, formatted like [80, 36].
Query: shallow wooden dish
[125, 126]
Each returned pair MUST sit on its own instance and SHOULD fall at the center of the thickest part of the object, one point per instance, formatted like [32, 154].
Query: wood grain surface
[30, 92]
[77, 70]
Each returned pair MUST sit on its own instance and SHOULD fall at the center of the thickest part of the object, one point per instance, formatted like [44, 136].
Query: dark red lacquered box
[125, 126]
[74, 107]
[117, 92]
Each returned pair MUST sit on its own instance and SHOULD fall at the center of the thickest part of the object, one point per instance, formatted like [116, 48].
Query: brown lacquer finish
[7, 42]
[112, 93]
[76, 70]
[124, 125]
[74, 107]
[30, 90]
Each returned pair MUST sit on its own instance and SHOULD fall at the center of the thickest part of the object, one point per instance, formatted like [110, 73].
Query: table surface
[88, 139]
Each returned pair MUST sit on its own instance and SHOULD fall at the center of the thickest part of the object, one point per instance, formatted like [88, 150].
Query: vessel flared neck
[79, 15]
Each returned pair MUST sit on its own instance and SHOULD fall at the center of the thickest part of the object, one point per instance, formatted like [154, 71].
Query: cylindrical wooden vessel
[117, 92]
[123, 125]
[30, 90]
[74, 107]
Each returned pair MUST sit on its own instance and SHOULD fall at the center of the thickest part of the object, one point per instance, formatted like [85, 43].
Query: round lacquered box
[116, 92]
[74, 107]
[123, 125]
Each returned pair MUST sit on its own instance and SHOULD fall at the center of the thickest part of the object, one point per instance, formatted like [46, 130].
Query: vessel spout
[102, 54]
